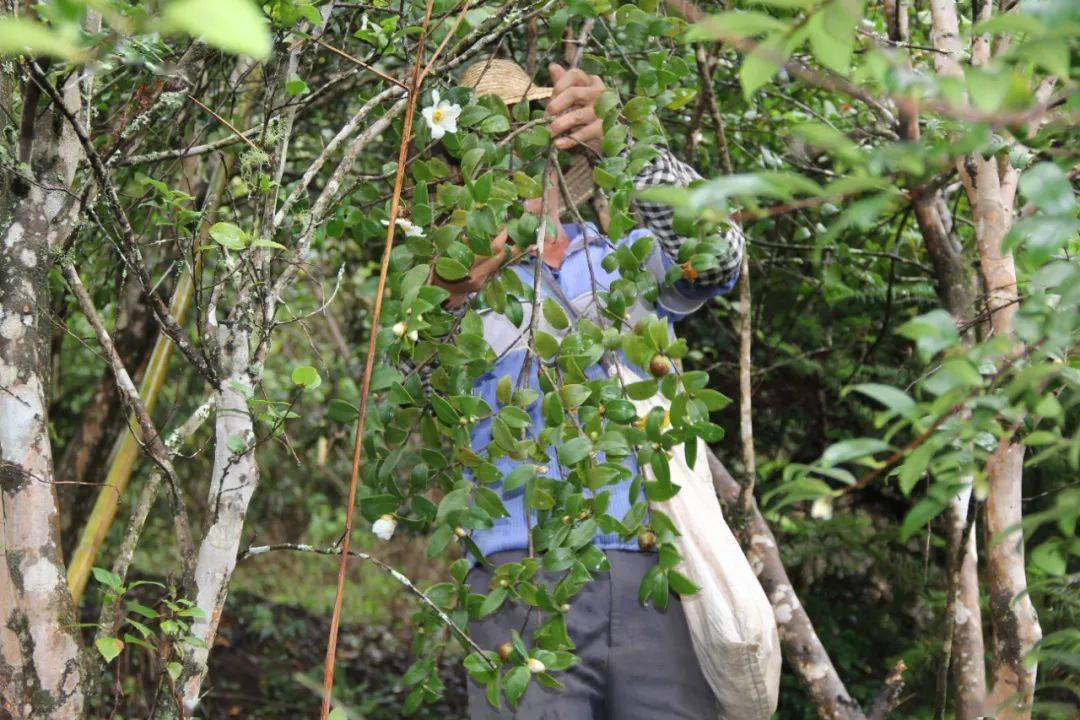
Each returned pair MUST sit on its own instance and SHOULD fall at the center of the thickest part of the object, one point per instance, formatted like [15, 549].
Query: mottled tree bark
[40, 654]
[235, 476]
[968, 663]
[955, 283]
[992, 189]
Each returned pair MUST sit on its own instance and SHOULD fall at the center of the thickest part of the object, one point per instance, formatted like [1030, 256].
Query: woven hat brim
[539, 93]
[579, 181]
[512, 96]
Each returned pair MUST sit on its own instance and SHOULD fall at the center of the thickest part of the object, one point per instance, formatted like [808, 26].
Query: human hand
[573, 107]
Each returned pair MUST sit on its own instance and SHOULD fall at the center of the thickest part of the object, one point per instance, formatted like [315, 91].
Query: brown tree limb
[803, 650]
[369, 365]
[150, 437]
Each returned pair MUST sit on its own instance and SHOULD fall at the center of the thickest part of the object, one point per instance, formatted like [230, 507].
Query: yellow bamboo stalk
[125, 451]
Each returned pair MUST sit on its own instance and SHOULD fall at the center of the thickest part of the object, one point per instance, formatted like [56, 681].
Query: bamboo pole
[126, 449]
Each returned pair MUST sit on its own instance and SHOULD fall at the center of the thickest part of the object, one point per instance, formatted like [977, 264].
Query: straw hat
[503, 78]
[510, 83]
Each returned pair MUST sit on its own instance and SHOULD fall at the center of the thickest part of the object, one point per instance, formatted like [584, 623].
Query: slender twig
[361, 63]
[369, 366]
[223, 121]
[130, 253]
[151, 439]
[396, 574]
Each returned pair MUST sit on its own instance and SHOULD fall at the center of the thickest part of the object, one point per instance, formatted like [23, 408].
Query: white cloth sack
[731, 621]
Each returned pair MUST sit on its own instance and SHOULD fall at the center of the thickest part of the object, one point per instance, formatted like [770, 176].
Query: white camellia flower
[441, 116]
[410, 228]
[535, 666]
[384, 527]
[821, 508]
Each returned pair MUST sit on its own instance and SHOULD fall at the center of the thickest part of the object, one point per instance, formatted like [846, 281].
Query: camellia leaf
[853, 449]
[107, 578]
[832, 34]
[235, 26]
[734, 24]
[515, 683]
[760, 65]
[306, 376]
[450, 269]
[574, 451]
[555, 315]
[228, 236]
[109, 647]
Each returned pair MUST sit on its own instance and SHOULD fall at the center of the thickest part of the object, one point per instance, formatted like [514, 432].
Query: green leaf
[932, 332]
[555, 315]
[306, 377]
[681, 584]
[923, 512]
[574, 450]
[913, 468]
[893, 398]
[109, 579]
[527, 187]
[760, 65]
[228, 236]
[22, 35]
[264, 243]
[235, 26]
[470, 160]
[296, 86]
[515, 683]
[848, 450]
[495, 125]
[642, 390]
[492, 602]
[1049, 558]
[450, 269]
[454, 500]
[1048, 187]
[734, 24]
[832, 34]
[109, 647]
[341, 411]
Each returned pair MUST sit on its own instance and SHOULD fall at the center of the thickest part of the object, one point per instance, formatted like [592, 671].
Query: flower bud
[384, 527]
[535, 666]
[398, 329]
[646, 540]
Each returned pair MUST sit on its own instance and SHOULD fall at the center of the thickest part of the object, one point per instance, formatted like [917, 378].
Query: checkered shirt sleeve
[666, 169]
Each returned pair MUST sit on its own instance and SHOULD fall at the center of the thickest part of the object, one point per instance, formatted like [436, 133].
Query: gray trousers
[637, 663]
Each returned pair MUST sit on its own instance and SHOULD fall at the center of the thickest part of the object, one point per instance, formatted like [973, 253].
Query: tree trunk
[954, 282]
[802, 648]
[992, 189]
[235, 476]
[968, 652]
[40, 672]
